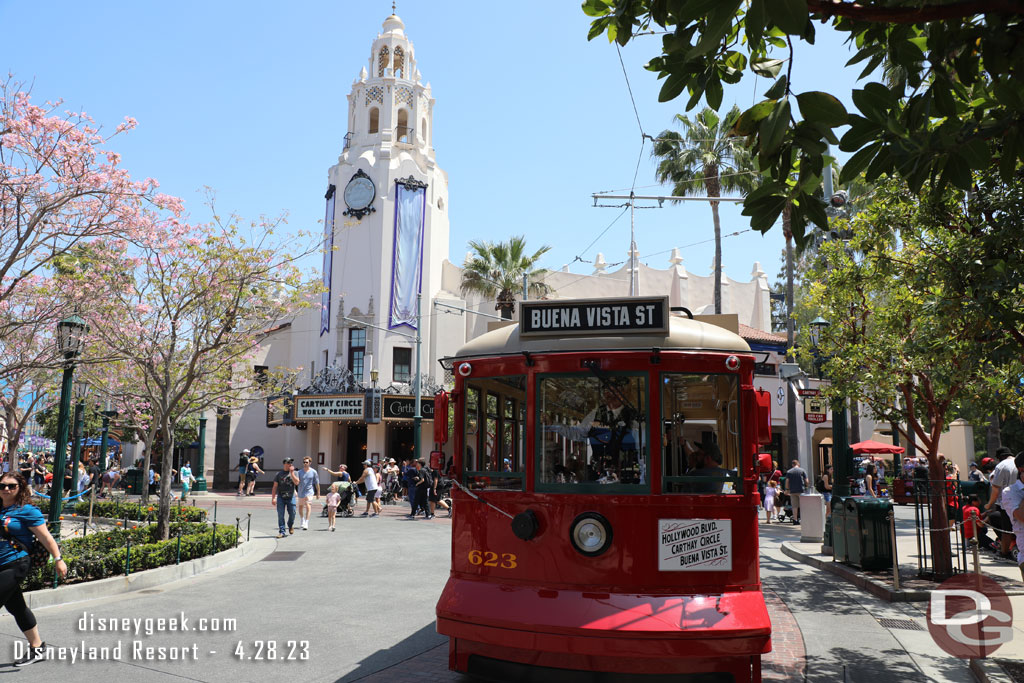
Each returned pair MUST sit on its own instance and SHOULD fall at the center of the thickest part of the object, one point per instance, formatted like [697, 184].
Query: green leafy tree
[901, 339]
[497, 270]
[706, 159]
[947, 102]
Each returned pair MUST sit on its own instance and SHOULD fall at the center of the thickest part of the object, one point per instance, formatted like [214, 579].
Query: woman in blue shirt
[22, 522]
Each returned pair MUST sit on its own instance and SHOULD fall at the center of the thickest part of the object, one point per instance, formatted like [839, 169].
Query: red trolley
[607, 503]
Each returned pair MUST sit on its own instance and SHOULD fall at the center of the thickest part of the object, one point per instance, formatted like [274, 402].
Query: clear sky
[530, 118]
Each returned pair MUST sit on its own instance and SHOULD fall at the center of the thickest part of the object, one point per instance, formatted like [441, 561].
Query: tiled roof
[754, 335]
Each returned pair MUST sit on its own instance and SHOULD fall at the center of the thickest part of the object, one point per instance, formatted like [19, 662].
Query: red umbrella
[870, 446]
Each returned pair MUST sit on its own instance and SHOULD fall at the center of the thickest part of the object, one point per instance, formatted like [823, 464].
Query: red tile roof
[754, 335]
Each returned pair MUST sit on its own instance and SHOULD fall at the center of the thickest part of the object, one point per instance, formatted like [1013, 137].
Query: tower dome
[394, 25]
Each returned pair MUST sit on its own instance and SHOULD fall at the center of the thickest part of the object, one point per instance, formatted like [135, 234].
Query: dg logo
[970, 616]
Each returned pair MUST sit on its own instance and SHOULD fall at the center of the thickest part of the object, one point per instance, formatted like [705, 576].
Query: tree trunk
[993, 435]
[148, 445]
[163, 527]
[718, 256]
[942, 558]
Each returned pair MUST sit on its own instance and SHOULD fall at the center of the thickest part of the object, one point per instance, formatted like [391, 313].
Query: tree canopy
[497, 269]
[948, 101]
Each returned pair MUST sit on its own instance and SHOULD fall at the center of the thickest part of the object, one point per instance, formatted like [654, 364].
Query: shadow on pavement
[405, 657]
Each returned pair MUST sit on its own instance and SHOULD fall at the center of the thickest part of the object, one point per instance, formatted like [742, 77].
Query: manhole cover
[905, 624]
[284, 556]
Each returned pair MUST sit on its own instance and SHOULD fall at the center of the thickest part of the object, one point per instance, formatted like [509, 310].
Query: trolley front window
[495, 424]
[701, 426]
[592, 433]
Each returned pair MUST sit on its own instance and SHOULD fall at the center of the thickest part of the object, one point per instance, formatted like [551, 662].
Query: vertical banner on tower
[407, 256]
[325, 297]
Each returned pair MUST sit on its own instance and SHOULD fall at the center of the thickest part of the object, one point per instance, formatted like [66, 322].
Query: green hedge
[101, 555]
[134, 511]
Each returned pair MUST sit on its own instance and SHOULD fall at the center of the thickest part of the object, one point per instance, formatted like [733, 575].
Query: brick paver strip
[786, 662]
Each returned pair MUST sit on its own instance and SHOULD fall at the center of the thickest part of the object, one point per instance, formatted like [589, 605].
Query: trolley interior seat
[605, 624]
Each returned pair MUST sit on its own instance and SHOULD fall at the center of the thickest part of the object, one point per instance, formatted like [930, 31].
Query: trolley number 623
[488, 559]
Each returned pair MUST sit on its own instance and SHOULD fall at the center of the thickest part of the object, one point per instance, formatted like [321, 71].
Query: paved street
[363, 597]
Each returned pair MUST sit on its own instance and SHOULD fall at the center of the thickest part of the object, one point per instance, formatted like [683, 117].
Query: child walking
[770, 492]
[333, 500]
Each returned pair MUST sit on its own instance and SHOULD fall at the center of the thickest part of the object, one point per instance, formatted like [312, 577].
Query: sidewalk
[916, 591]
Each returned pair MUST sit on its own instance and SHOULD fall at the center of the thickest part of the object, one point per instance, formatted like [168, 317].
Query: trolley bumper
[605, 624]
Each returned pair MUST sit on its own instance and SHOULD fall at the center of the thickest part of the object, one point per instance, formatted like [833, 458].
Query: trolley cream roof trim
[683, 334]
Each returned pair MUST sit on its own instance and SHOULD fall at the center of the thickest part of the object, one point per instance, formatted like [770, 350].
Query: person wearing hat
[252, 470]
[974, 473]
[282, 495]
[243, 466]
[369, 480]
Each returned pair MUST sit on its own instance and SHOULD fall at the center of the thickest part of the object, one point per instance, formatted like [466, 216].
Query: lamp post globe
[817, 326]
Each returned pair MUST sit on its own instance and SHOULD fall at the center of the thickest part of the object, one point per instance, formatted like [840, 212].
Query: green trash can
[873, 538]
[977, 488]
[838, 526]
[133, 481]
[851, 531]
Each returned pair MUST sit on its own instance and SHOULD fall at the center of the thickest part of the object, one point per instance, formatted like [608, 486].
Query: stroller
[345, 489]
[444, 493]
[786, 506]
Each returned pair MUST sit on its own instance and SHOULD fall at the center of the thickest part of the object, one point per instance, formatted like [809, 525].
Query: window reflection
[593, 430]
[495, 425]
[700, 415]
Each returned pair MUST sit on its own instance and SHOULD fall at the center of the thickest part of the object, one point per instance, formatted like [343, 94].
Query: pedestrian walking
[22, 523]
[796, 483]
[186, 479]
[243, 467]
[423, 483]
[333, 501]
[252, 471]
[771, 492]
[369, 480]
[309, 485]
[282, 495]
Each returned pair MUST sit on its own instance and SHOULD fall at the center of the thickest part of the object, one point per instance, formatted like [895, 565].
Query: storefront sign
[808, 392]
[404, 408]
[329, 407]
[636, 315]
[374, 406]
[695, 545]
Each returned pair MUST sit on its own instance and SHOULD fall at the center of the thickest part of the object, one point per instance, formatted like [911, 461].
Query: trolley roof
[683, 334]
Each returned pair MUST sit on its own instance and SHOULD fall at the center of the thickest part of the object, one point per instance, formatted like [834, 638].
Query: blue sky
[530, 118]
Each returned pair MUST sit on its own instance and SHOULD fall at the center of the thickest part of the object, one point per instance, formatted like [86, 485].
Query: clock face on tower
[359, 195]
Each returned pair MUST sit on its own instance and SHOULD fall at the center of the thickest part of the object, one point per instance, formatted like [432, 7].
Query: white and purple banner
[325, 297]
[407, 258]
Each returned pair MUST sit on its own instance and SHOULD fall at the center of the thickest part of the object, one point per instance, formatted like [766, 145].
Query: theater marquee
[315, 408]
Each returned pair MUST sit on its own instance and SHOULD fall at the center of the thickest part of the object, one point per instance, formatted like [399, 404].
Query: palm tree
[704, 159]
[497, 270]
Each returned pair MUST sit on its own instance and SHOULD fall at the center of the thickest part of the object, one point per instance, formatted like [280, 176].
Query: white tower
[390, 120]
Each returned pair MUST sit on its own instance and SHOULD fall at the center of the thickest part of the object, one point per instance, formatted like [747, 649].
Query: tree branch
[912, 15]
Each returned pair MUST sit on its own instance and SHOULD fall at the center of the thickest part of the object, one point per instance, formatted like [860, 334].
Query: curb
[148, 578]
[855, 577]
[987, 671]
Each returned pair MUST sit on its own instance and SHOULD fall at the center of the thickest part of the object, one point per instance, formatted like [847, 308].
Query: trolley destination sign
[694, 545]
[635, 315]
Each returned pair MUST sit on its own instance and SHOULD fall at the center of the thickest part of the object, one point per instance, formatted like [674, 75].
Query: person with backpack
[283, 496]
[23, 525]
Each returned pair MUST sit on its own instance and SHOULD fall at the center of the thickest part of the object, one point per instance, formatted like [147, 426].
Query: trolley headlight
[465, 369]
[590, 534]
[732, 363]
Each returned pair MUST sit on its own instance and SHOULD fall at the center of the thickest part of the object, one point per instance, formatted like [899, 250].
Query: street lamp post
[840, 429]
[417, 419]
[108, 415]
[70, 340]
[201, 457]
[80, 391]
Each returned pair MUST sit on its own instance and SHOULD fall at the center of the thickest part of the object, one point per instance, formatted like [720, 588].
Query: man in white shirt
[1003, 475]
[1012, 502]
[369, 479]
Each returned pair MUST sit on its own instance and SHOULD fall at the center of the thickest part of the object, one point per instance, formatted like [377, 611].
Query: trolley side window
[701, 427]
[592, 433]
[495, 430]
